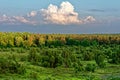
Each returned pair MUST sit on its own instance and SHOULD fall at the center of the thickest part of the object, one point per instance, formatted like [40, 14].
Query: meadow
[29, 56]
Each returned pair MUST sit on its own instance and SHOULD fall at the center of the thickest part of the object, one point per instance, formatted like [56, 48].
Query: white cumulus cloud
[89, 19]
[64, 14]
[32, 14]
[21, 19]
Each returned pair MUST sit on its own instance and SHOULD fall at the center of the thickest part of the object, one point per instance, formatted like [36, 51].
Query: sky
[60, 16]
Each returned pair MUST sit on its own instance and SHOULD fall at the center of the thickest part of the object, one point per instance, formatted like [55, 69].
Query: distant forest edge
[8, 39]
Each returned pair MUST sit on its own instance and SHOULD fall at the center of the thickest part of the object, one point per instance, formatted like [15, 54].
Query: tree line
[54, 40]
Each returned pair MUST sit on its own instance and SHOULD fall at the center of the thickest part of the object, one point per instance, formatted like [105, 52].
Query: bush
[100, 60]
[34, 76]
[34, 57]
[51, 58]
[90, 67]
[116, 58]
[11, 66]
[78, 67]
[88, 56]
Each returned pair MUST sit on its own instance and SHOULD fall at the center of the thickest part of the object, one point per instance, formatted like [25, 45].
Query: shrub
[78, 67]
[90, 67]
[100, 60]
[11, 66]
[116, 58]
[34, 76]
[34, 57]
[88, 56]
[51, 58]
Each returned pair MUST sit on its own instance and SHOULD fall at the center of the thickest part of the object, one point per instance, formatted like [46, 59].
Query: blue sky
[24, 6]
[105, 12]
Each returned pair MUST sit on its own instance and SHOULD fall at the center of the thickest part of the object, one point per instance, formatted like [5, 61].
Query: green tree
[18, 41]
[100, 60]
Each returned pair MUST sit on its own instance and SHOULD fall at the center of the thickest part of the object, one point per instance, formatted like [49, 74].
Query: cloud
[104, 10]
[21, 19]
[64, 14]
[32, 14]
[4, 19]
[89, 19]
[13, 20]
[96, 10]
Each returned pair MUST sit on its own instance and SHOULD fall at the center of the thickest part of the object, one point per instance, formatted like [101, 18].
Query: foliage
[116, 58]
[78, 67]
[90, 67]
[51, 59]
[11, 66]
[59, 55]
[34, 57]
[100, 60]
[28, 39]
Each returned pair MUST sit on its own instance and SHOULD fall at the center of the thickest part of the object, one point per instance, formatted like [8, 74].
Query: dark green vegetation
[25, 56]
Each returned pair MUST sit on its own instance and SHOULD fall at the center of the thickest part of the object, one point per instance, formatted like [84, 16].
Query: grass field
[36, 72]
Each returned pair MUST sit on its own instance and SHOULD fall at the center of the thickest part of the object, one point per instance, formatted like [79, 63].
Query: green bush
[90, 67]
[51, 58]
[88, 56]
[116, 58]
[34, 57]
[78, 67]
[11, 66]
[100, 60]
[33, 75]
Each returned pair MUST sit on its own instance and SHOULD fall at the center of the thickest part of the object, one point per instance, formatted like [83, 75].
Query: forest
[33, 56]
